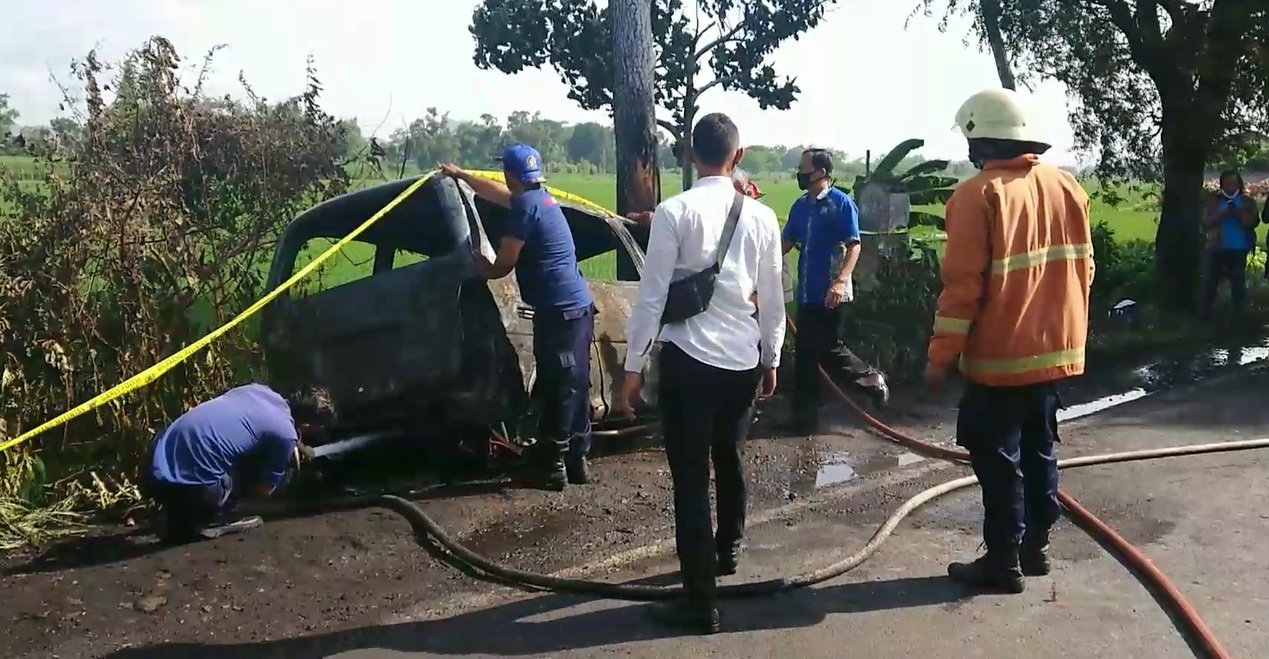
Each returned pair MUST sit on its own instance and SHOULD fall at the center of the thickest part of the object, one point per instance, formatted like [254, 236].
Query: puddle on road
[821, 467]
[1159, 376]
[834, 469]
[837, 467]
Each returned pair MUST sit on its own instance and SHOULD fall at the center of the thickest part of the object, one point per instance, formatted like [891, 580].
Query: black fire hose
[430, 535]
[427, 531]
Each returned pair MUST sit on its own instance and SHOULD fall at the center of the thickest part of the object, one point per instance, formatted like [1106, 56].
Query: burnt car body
[421, 346]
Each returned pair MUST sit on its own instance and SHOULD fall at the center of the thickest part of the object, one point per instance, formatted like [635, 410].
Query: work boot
[577, 469]
[698, 612]
[805, 420]
[728, 559]
[1033, 556]
[545, 469]
[991, 572]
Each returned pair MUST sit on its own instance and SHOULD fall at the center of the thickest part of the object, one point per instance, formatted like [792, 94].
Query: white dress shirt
[684, 240]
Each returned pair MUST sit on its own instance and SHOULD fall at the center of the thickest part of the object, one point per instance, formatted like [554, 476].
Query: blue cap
[523, 162]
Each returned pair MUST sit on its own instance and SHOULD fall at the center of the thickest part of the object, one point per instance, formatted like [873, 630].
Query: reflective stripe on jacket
[1016, 276]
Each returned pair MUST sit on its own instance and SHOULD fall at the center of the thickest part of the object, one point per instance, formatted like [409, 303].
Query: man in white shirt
[713, 363]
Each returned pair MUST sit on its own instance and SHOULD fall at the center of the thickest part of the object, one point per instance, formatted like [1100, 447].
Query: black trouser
[817, 333]
[187, 509]
[705, 415]
[561, 348]
[1010, 433]
[1225, 264]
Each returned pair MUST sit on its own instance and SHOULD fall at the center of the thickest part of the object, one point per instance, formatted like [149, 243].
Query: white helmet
[996, 113]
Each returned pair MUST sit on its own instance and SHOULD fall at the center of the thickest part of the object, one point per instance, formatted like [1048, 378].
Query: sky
[867, 81]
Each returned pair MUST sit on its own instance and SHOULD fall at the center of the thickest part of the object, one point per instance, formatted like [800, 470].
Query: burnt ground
[322, 573]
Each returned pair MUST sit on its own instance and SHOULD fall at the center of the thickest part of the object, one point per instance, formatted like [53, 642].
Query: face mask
[975, 157]
[805, 181]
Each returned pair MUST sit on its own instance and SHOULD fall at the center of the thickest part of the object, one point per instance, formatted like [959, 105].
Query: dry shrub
[154, 227]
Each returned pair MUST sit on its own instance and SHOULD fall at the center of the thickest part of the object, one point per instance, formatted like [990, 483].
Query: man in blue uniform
[823, 225]
[537, 244]
[241, 443]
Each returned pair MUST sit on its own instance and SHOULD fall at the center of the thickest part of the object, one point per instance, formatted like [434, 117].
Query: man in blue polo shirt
[537, 244]
[823, 225]
[241, 443]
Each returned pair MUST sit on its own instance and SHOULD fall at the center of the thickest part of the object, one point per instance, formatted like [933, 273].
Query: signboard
[883, 219]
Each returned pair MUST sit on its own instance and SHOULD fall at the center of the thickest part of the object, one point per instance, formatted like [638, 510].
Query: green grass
[1134, 219]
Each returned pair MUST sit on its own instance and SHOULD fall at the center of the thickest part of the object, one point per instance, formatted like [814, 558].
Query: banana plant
[924, 182]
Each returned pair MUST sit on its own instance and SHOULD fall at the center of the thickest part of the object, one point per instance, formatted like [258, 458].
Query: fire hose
[428, 532]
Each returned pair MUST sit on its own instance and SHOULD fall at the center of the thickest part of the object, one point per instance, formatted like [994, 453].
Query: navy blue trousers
[1010, 433]
[561, 348]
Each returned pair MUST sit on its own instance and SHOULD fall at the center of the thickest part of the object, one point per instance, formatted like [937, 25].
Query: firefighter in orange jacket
[1014, 312]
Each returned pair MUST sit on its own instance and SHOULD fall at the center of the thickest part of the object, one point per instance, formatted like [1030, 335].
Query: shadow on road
[509, 630]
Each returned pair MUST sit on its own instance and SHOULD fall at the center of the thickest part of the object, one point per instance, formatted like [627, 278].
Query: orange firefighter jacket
[1016, 276]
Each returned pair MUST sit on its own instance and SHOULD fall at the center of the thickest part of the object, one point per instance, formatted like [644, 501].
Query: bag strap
[729, 229]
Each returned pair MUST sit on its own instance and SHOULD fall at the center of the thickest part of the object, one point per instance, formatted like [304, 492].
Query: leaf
[930, 197]
[925, 168]
[924, 219]
[887, 164]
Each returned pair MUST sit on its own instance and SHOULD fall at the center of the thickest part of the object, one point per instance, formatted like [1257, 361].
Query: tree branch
[1175, 8]
[716, 82]
[696, 38]
[729, 35]
[1148, 20]
[670, 126]
[1144, 53]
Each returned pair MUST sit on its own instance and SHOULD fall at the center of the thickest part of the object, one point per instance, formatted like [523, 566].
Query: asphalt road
[1202, 520]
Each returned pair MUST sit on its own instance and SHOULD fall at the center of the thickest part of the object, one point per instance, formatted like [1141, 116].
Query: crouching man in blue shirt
[241, 443]
[537, 244]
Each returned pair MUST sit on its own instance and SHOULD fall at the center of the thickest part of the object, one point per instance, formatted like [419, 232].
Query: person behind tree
[1230, 221]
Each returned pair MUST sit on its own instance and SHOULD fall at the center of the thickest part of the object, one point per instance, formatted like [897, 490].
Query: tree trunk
[634, 118]
[685, 157]
[689, 119]
[990, 11]
[1180, 239]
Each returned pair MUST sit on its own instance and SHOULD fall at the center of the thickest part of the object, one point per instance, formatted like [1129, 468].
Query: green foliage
[890, 325]
[166, 205]
[920, 181]
[8, 119]
[1125, 269]
[733, 39]
[1134, 70]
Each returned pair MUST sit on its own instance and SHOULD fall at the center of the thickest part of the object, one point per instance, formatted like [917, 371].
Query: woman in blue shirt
[1230, 221]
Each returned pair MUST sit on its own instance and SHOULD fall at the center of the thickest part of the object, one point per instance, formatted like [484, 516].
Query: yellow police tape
[154, 372]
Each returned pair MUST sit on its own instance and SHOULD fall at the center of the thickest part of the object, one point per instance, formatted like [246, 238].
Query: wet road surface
[352, 585]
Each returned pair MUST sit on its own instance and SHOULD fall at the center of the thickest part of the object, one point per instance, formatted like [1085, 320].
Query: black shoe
[728, 560]
[700, 619]
[805, 422]
[989, 573]
[553, 480]
[1033, 557]
[577, 471]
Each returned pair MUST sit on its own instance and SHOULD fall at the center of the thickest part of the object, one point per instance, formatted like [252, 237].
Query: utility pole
[634, 118]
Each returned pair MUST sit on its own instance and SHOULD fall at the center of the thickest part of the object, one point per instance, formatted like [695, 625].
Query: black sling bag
[690, 296]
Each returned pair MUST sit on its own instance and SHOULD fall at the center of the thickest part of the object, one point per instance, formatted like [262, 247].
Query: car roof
[416, 223]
